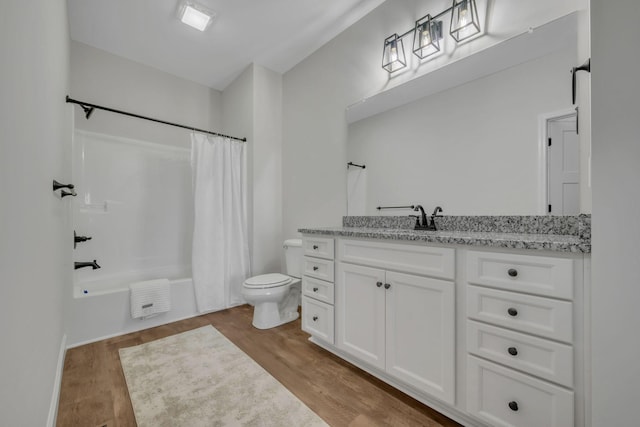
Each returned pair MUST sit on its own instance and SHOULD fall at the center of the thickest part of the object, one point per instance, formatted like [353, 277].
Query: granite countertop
[513, 240]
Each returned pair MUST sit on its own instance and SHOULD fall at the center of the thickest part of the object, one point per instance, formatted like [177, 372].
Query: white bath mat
[200, 378]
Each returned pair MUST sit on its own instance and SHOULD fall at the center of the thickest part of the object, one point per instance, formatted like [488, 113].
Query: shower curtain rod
[88, 109]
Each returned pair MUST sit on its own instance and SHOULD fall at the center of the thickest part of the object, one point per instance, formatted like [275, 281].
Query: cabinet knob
[315, 268]
[315, 247]
[513, 406]
[315, 289]
[512, 312]
[315, 318]
[512, 272]
[513, 351]
[387, 285]
[378, 284]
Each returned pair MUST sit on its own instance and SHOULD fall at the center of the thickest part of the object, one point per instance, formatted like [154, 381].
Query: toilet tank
[293, 257]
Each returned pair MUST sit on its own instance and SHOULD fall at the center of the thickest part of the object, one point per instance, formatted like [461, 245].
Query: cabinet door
[360, 318]
[420, 333]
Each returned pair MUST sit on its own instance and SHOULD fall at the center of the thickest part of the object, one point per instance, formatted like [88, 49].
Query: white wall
[473, 149]
[35, 234]
[99, 77]
[348, 69]
[616, 212]
[253, 108]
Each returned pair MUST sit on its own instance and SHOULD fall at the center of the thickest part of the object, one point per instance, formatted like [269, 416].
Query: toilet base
[266, 316]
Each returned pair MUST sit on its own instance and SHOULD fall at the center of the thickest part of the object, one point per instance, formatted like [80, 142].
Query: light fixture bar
[427, 34]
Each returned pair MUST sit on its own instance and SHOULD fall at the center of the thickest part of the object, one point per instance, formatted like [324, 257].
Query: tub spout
[94, 265]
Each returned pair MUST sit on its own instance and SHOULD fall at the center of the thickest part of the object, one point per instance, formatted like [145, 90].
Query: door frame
[543, 135]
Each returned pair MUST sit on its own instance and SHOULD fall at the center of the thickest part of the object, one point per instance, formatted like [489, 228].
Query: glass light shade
[393, 58]
[426, 37]
[464, 20]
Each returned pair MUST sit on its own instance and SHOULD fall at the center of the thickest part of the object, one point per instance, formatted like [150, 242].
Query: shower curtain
[220, 258]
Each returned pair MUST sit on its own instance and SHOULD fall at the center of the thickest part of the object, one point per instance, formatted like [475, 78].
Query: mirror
[478, 148]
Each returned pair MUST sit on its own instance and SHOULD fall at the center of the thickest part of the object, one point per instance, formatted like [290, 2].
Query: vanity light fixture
[393, 58]
[195, 15]
[426, 37]
[464, 20]
[427, 34]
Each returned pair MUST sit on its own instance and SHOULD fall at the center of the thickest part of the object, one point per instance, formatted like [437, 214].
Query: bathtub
[98, 311]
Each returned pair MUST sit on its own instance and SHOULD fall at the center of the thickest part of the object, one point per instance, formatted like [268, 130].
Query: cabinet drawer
[546, 359]
[503, 397]
[318, 268]
[536, 315]
[523, 273]
[317, 319]
[318, 289]
[321, 247]
[426, 260]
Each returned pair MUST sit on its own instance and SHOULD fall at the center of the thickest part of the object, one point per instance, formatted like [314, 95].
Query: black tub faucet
[94, 265]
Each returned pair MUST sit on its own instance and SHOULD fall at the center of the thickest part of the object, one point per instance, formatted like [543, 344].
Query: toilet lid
[267, 280]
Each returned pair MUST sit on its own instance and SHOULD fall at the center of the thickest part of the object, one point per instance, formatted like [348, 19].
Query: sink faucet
[422, 221]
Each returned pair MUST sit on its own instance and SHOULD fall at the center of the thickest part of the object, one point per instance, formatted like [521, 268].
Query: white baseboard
[55, 396]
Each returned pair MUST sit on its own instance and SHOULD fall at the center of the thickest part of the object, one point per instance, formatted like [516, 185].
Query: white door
[360, 316]
[420, 333]
[563, 167]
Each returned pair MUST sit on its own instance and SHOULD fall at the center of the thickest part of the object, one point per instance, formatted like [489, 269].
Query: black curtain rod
[88, 109]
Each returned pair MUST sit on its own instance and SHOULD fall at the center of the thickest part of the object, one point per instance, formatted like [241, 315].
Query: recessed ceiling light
[195, 15]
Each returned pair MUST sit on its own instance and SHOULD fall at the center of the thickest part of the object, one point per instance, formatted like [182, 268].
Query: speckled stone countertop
[574, 231]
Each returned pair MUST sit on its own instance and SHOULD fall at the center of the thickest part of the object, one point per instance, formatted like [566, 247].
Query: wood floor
[94, 393]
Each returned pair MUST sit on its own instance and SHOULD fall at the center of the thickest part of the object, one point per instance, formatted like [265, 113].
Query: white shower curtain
[220, 258]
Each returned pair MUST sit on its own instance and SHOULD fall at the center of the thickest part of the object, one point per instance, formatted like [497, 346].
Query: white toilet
[276, 296]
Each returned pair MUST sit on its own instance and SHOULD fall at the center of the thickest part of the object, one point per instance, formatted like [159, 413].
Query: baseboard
[120, 333]
[55, 396]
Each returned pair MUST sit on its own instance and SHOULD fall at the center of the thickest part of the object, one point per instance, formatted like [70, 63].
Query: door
[563, 167]
[360, 313]
[420, 333]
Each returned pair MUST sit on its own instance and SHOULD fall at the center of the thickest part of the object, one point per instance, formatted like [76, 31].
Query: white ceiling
[276, 34]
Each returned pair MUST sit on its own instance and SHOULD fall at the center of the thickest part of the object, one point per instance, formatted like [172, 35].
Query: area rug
[200, 378]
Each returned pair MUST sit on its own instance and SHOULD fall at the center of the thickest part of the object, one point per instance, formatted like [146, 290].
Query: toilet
[275, 297]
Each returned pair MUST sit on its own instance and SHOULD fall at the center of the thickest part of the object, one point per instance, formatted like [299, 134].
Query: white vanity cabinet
[520, 339]
[488, 337]
[400, 323]
[317, 288]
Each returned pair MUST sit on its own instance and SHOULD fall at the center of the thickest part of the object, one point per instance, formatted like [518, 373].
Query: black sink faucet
[422, 221]
[94, 265]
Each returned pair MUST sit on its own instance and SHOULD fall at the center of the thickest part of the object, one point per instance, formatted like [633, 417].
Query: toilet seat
[266, 281]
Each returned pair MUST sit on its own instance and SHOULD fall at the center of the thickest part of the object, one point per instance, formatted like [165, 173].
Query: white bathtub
[100, 311]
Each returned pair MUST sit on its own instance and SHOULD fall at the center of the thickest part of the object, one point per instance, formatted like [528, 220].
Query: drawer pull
[512, 312]
[387, 285]
[513, 351]
[378, 284]
[315, 268]
[315, 247]
[315, 289]
[513, 406]
[315, 318]
[512, 272]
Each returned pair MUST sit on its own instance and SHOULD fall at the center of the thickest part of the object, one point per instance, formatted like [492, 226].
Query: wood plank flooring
[94, 392]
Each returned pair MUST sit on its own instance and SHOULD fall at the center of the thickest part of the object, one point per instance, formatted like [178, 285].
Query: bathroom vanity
[486, 325]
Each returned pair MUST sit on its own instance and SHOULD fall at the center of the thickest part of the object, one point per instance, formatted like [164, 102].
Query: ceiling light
[195, 15]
